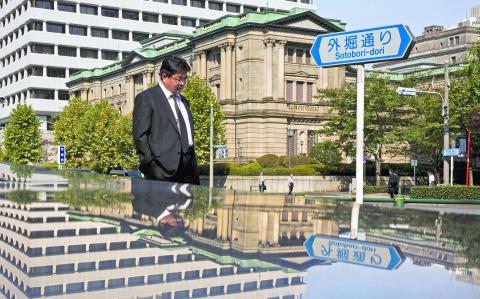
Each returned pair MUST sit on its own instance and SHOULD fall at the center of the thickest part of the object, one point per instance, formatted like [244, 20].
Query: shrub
[296, 160]
[268, 160]
[326, 152]
[375, 189]
[446, 192]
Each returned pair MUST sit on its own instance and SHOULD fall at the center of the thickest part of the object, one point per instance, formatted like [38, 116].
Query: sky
[417, 14]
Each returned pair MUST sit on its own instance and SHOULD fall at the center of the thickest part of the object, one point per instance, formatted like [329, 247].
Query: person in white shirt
[261, 183]
[431, 179]
[290, 184]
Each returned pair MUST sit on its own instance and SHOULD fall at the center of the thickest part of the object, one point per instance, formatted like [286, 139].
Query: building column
[223, 75]
[264, 227]
[146, 79]
[281, 69]
[203, 64]
[129, 90]
[228, 70]
[268, 67]
[219, 223]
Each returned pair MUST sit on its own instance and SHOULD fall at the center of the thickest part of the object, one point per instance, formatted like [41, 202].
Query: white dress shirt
[183, 110]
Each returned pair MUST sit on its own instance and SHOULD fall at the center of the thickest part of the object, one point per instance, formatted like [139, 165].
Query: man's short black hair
[172, 65]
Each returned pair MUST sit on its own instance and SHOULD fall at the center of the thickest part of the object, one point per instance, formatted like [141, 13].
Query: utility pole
[446, 130]
[210, 183]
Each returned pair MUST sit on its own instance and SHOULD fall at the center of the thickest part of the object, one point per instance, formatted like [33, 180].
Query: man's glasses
[180, 79]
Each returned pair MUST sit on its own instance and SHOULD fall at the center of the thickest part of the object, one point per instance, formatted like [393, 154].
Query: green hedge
[446, 192]
[254, 169]
[375, 189]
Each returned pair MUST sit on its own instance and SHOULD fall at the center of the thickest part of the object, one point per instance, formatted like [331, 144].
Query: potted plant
[399, 201]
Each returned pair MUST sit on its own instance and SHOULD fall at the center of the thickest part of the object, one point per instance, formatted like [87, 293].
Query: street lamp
[404, 91]
[290, 133]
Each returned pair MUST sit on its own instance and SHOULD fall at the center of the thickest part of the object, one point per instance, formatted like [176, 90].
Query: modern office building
[260, 68]
[438, 45]
[43, 42]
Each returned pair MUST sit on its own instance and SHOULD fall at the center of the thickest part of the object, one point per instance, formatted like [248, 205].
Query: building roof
[265, 18]
[417, 74]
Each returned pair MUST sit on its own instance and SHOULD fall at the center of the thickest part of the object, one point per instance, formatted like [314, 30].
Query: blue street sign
[448, 152]
[362, 46]
[355, 252]
[61, 154]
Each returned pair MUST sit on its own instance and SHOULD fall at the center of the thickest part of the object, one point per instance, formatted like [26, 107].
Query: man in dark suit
[163, 127]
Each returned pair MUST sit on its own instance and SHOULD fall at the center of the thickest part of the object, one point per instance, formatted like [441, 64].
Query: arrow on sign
[362, 46]
[354, 252]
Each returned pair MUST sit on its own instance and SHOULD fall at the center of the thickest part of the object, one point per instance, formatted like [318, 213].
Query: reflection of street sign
[61, 154]
[221, 152]
[362, 46]
[414, 163]
[354, 252]
[448, 152]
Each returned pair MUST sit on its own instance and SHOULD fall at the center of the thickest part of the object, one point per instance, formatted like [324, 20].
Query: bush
[446, 192]
[375, 189]
[326, 152]
[296, 160]
[268, 160]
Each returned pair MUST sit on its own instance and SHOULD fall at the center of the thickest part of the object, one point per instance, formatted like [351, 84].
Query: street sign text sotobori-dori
[362, 46]
[362, 253]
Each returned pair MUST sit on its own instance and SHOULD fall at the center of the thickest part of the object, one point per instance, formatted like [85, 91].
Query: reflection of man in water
[162, 201]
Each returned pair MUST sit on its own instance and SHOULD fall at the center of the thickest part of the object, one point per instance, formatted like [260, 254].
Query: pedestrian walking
[290, 184]
[261, 183]
[393, 180]
[431, 178]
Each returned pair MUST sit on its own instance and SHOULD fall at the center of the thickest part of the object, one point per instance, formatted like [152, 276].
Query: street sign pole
[360, 124]
[451, 171]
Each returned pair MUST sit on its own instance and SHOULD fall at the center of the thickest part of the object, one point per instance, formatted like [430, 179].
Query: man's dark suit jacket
[155, 131]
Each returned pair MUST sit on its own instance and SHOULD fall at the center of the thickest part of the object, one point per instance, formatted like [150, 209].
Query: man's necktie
[181, 126]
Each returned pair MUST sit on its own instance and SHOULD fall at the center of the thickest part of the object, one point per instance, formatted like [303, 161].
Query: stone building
[257, 63]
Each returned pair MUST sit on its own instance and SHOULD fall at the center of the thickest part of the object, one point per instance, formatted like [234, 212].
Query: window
[150, 17]
[35, 71]
[249, 8]
[215, 5]
[99, 32]
[88, 53]
[290, 53]
[171, 20]
[289, 91]
[88, 9]
[47, 4]
[130, 15]
[46, 94]
[299, 93]
[64, 6]
[161, 1]
[109, 55]
[305, 1]
[188, 22]
[55, 27]
[457, 40]
[197, 3]
[453, 59]
[110, 12]
[123, 35]
[42, 49]
[307, 57]
[233, 8]
[139, 36]
[55, 72]
[35, 25]
[179, 2]
[78, 30]
[299, 55]
[67, 51]
[203, 22]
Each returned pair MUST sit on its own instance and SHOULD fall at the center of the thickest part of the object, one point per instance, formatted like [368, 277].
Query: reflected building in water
[47, 250]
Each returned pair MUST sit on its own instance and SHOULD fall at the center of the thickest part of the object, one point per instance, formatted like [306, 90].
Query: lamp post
[290, 133]
[404, 91]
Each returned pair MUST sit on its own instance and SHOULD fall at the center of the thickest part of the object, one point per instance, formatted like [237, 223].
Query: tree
[326, 152]
[464, 98]
[386, 117]
[22, 136]
[200, 96]
[96, 136]
[67, 131]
